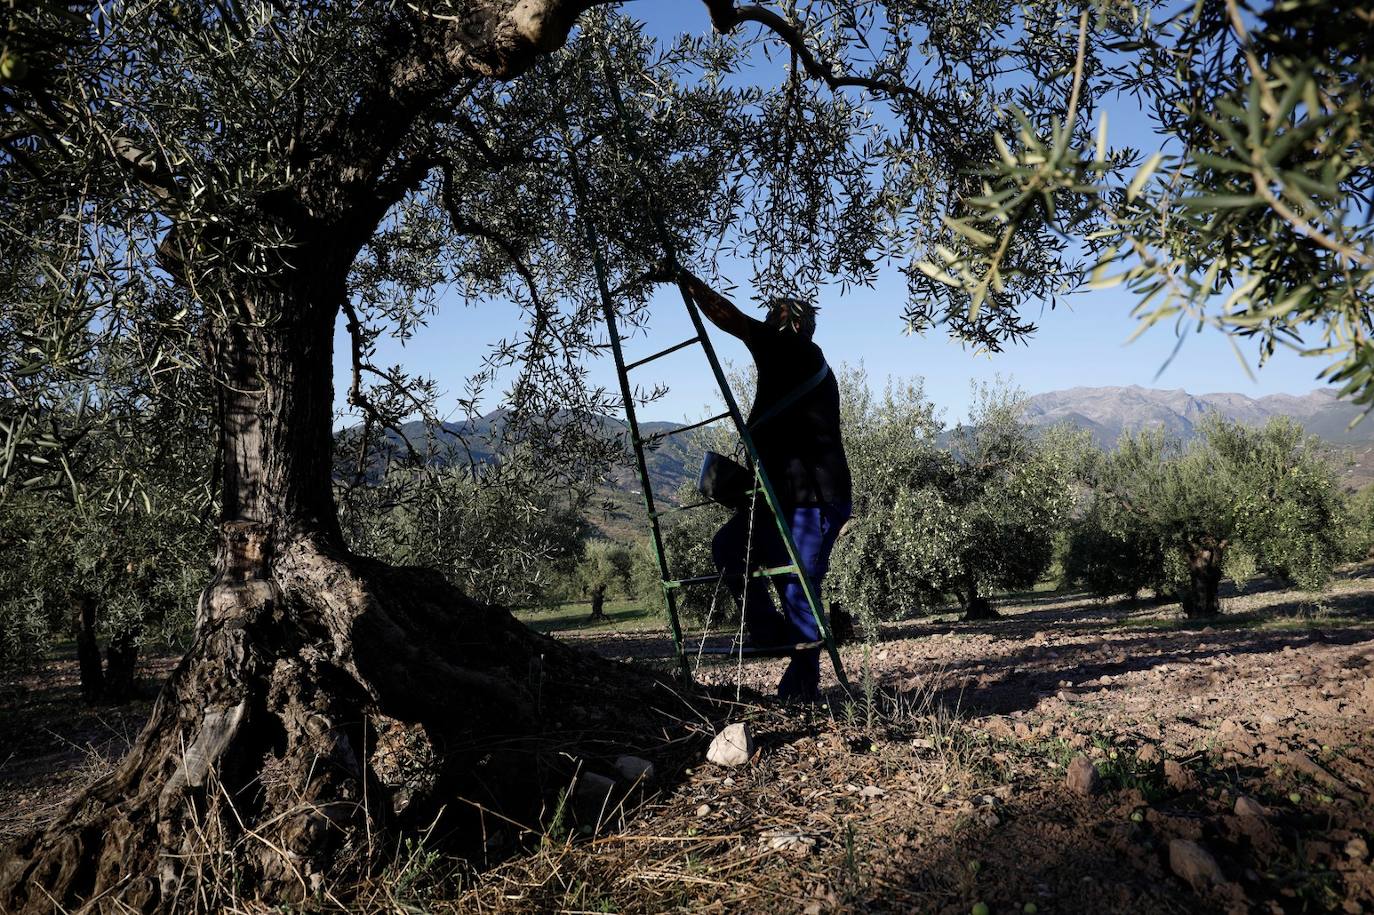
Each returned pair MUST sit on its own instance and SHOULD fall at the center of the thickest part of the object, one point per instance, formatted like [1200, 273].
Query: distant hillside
[1107, 412]
[618, 510]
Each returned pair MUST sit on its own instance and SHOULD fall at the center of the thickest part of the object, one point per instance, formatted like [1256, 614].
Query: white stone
[1249, 807]
[732, 746]
[787, 840]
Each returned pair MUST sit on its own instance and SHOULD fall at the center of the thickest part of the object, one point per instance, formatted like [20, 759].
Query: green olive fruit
[1295, 797]
[1137, 817]
[13, 67]
[1030, 908]
[980, 908]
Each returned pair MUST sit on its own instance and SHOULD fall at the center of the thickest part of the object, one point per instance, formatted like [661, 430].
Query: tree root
[327, 706]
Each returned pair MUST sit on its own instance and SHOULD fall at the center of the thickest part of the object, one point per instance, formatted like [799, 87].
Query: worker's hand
[662, 272]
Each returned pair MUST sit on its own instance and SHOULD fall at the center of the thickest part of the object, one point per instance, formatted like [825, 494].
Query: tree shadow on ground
[559, 625]
[1064, 853]
[1022, 679]
[1067, 613]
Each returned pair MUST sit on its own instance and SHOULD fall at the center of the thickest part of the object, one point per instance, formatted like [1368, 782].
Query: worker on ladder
[795, 425]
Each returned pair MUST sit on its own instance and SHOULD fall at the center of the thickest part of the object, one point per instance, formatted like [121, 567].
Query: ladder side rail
[784, 529]
[627, 398]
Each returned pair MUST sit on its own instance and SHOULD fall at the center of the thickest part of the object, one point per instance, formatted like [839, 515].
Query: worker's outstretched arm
[720, 310]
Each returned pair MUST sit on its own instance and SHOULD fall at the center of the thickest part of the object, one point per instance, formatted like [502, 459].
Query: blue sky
[1080, 343]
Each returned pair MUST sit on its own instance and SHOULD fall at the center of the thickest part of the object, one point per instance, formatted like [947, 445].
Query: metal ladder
[763, 486]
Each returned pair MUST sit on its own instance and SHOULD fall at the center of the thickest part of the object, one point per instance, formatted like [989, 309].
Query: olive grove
[1234, 501]
[204, 190]
[963, 511]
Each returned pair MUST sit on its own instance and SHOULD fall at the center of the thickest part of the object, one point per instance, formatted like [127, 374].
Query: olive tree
[499, 530]
[964, 511]
[1362, 523]
[123, 576]
[1235, 499]
[1252, 216]
[272, 169]
[107, 500]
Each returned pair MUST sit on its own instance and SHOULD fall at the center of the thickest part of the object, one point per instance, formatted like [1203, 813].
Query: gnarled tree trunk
[328, 702]
[976, 606]
[88, 650]
[1199, 595]
[111, 679]
[326, 698]
[121, 667]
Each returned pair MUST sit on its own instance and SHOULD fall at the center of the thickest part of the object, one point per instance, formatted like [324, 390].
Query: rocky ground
[1075, 756]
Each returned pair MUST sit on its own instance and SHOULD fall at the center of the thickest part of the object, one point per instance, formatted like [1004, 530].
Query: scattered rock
[732, 746]
[1149, 755]
[1194, 864]
[592, 795]
[788, 840]
[1234, 734]
[1249, 807]
[1178, 777]
[1083, 777]
[871, 791]
[635, 769]
[997, 726]
[1304, 764]
[704, 810]
[1357, 848]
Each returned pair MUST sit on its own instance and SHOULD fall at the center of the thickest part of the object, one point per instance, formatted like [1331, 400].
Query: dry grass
[940, 783]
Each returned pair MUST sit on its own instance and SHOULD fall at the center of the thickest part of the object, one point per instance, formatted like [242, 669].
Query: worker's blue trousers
[814, 529]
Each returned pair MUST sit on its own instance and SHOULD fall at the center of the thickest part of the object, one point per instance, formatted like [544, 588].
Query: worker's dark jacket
[800, 447]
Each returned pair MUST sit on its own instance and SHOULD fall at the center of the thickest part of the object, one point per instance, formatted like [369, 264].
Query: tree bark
[326, 699]
[328, 703]
[88, 651]
[121, 667]
[976, 607]
[1199, 597]
[598, 602]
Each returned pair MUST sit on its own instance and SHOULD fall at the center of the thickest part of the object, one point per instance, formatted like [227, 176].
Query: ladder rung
[774, 572]
[704, 422]
[661, 353]
[698, 580]
[682, 508]
[708, 579]
[757, 651]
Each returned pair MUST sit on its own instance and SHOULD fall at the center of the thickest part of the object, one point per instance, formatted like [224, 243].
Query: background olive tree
[262, 171]
[1236, 500]
[964, 511]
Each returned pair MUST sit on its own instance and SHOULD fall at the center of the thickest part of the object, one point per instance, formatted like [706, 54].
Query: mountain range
[1108, 411]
